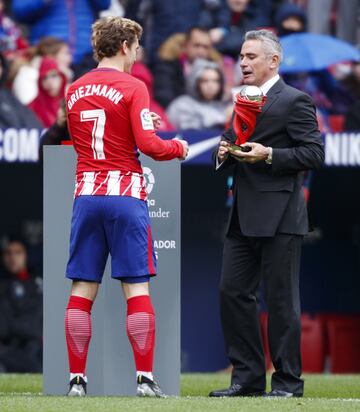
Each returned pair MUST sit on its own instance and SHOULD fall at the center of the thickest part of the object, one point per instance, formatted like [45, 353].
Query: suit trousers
[275, 261]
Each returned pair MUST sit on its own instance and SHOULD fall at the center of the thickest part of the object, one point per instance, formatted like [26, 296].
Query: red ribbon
[244, 121]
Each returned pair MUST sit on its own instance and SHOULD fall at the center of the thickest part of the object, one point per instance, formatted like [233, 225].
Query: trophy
[252, 94]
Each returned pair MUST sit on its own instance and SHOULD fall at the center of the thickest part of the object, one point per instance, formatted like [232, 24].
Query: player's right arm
[145, 137]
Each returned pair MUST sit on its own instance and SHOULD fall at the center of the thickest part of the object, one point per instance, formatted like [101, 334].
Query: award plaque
[234, 147]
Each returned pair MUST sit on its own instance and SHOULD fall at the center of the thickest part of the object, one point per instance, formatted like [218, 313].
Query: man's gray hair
[270, 41]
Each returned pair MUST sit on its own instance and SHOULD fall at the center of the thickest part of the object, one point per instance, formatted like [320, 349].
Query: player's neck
[112, 63]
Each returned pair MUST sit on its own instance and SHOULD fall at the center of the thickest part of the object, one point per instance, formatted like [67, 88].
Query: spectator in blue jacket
[163, 18]
[244, 15]
[290, 19]
[68, 20]
[329, 96]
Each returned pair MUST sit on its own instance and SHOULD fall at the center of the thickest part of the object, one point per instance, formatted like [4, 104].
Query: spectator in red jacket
[25, 71]
[52, 83]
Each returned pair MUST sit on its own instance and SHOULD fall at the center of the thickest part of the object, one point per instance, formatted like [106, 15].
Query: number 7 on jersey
[99, 118]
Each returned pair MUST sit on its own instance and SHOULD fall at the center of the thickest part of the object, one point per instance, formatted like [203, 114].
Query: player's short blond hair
[110, 32]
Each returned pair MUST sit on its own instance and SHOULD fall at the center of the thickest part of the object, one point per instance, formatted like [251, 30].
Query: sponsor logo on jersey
[146, 121]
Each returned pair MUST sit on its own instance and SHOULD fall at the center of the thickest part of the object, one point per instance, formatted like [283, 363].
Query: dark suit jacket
[269, 198]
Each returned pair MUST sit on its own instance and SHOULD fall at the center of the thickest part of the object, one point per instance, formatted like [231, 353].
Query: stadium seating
[312, 344]
[344, 342]
[332, 336]
[336, 123]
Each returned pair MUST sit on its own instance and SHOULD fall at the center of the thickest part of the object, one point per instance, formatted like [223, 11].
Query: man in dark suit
[267, 223]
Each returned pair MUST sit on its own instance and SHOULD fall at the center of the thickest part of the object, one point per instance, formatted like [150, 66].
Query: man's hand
[185, 146]
[156, 119]
[223, 151]
[257, 153]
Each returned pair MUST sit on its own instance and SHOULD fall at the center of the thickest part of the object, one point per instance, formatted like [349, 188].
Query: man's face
[63, 56]
[52, 83]
[256, 66]
[237, 6]
[130, 53]
[198, 46]
[209, 84]
[293, 24]
[14, 257]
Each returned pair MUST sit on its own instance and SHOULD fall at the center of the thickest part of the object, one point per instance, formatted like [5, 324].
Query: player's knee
[135, 289]
[87, 290]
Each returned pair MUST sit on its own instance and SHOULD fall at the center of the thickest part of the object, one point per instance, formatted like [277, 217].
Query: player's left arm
[143, 128]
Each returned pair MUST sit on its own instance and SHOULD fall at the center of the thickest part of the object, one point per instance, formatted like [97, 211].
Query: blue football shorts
[118, 225]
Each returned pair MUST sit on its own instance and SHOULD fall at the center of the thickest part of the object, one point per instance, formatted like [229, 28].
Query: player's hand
[185, 145]
[156, 119]
[257, 153]
[223, 151]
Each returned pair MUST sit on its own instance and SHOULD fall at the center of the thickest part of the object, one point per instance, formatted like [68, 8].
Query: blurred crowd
[20, 310]
[189, 61]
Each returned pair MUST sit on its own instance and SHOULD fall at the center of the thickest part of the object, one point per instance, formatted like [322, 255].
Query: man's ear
[275, 61]
[124, 46]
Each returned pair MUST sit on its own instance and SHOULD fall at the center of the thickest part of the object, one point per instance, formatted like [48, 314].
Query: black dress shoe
[236, 390]
[282, 394]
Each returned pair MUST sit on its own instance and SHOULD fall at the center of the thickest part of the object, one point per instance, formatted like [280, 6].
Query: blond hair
[109, 33]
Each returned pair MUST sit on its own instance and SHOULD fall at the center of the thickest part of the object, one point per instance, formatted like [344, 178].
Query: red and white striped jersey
[109, 120]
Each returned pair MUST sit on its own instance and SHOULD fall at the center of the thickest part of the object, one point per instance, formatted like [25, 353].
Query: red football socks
[78, 332]
[140, 328]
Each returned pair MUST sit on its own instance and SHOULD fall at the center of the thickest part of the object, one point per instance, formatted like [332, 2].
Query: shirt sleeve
[145, 137]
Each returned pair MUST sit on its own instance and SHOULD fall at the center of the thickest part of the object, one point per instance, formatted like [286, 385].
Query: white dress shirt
[269, 84]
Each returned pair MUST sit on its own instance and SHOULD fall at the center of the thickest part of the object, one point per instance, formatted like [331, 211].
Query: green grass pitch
[20, 393]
